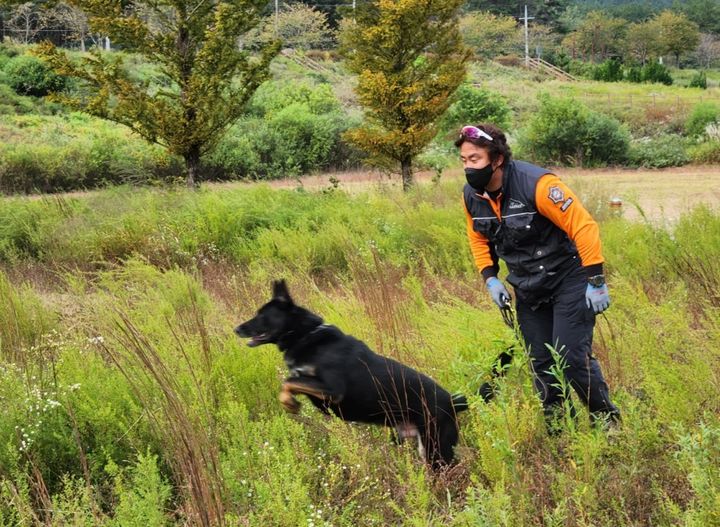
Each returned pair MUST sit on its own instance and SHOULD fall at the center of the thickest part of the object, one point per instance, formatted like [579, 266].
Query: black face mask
[478, 178]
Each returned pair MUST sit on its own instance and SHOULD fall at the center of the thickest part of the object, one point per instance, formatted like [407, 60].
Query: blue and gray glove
[497, 291]
[597, 297]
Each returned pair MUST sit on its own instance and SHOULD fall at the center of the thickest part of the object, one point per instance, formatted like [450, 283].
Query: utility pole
[527, 44]
[277, 11]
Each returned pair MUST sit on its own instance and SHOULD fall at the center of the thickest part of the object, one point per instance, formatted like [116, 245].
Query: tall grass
[127, 400]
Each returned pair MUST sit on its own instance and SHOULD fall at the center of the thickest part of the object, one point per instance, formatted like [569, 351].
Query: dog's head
[277, 318]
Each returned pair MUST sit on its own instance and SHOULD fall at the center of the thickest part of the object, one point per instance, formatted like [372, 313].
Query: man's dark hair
[496, 148]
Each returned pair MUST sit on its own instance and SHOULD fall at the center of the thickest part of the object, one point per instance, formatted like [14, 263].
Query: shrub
[476, 105]
[513, 61]
[290, 142]
[702, 114]
[699, 80]
[608, 71]
[28, 75]
[50, 154]
[706, 152]
[579, 68]
[272, 97]
[294, 128]
[666, 150]
[633, 74]
[564, 131]
[655, 72]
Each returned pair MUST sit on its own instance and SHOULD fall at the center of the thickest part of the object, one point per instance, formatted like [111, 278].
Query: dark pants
[565, 323]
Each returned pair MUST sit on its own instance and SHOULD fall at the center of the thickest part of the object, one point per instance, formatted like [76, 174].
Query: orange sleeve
[559, 204]
[479, 244]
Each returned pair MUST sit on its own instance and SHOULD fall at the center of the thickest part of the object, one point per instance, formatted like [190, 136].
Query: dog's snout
[240, 331]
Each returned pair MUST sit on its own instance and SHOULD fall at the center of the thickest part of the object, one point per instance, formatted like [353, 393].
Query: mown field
[127, 400]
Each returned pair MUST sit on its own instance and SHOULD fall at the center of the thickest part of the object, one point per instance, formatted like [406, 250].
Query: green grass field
[127, 400]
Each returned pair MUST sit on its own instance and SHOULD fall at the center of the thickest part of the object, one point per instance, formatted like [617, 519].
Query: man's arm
[559, 204]
[485, 259]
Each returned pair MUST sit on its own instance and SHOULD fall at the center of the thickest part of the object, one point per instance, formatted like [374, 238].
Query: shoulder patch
[556, 195]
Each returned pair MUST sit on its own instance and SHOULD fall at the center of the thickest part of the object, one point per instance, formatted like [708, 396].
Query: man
[525, 215]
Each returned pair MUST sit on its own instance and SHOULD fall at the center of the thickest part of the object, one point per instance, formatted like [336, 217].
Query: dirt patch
[660, 194]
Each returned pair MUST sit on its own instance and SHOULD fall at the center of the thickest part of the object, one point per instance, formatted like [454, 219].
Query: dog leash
[507, 312]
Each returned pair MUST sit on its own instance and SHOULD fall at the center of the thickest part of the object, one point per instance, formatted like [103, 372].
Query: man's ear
[280, 291]
[499, 161]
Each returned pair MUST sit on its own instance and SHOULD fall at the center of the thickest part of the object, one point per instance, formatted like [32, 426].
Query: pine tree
[206, 78]
[410, 59]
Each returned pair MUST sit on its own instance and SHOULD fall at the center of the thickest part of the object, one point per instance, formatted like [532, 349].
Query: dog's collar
[303, 340]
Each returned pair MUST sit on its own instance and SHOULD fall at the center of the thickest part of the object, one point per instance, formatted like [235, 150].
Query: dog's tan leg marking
[291, 388]
[288, 401]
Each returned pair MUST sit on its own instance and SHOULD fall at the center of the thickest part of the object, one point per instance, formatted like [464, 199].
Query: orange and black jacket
[537, 225]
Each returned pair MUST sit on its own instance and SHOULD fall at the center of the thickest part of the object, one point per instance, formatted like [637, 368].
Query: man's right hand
[497, 291]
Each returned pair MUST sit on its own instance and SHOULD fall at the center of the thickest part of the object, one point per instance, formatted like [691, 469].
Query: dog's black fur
[342, 375]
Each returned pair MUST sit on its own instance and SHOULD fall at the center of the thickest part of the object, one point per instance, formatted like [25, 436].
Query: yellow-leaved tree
[410, 58]
[205, 78]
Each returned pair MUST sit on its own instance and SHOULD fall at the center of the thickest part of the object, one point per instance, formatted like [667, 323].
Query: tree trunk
[192, 166]
[407, 176]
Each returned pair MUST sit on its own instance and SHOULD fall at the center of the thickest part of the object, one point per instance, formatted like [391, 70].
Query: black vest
[537, 252]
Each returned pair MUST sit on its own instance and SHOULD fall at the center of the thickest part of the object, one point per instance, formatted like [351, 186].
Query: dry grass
[658, 194]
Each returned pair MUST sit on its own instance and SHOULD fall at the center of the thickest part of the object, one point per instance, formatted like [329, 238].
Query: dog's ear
[280, 291]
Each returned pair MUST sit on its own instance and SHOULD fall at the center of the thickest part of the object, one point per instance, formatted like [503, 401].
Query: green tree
[641, 42]
[546, 12]
[676, 34]
[488, 34]
[410, 59]
[207, 79]
[705, 13]
[599, 36]
[298, 26]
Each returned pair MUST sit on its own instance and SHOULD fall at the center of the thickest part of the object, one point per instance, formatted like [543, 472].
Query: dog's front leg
[304, 385]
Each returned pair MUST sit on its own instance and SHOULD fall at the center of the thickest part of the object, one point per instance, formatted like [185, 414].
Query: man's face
[473, 156]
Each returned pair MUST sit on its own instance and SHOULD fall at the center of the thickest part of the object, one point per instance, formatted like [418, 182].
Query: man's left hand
[597, 297]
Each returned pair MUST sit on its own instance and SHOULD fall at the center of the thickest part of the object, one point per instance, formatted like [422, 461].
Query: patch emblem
[565, 205]
[556, 195]
[515, 204]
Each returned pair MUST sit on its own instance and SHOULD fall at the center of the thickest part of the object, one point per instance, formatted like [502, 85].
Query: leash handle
[507, 311]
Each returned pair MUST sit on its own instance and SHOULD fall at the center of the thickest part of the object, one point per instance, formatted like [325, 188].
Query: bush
[273, 97]
[565, 131]
[655, 72]
[707, 152]
[702, 114]
[608, 71]
[291, 142]
[294, 128]
[578, 68]
[666, 150]
[56, 153]
[633, 74]
[699, 80]
[473, 106]
[28, 75]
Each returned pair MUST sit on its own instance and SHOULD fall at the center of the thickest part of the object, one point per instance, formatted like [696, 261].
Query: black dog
[339, 373]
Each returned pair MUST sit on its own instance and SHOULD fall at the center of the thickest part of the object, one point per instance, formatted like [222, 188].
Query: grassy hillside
[295, 123]
[127, 400]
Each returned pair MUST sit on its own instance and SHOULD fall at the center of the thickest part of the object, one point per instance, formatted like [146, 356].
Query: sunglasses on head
[473, 132]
